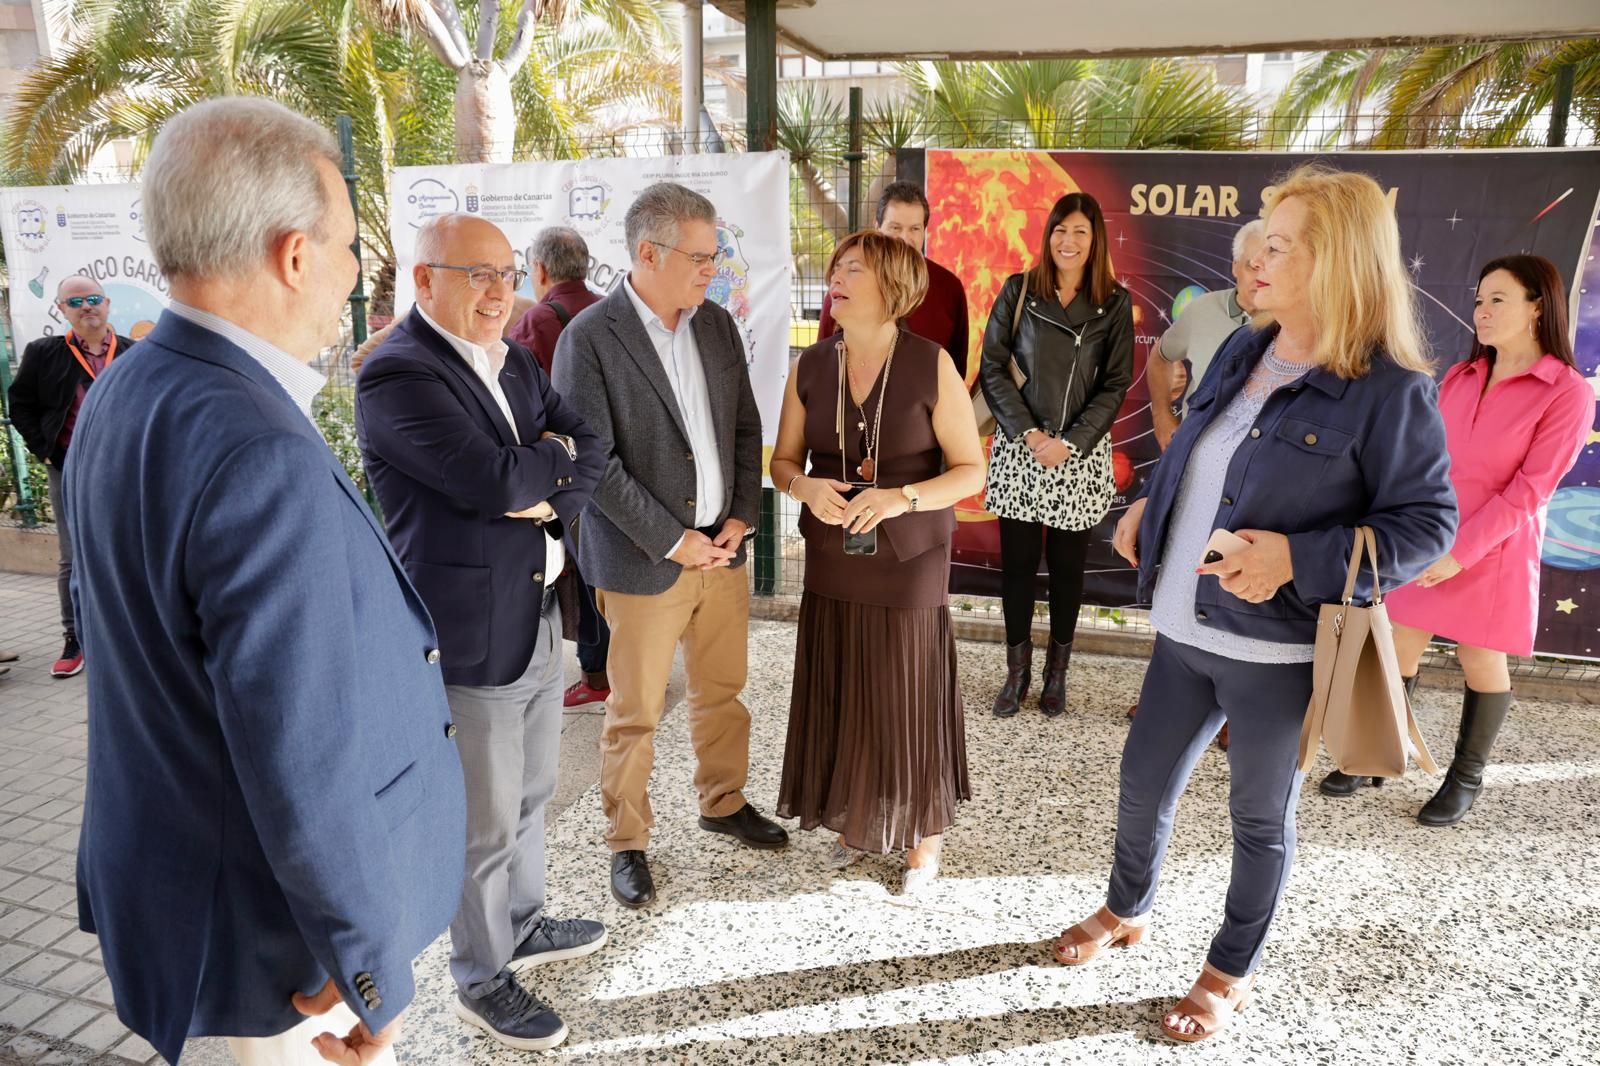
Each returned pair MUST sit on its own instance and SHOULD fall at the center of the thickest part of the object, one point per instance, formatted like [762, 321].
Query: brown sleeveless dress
[877, 745]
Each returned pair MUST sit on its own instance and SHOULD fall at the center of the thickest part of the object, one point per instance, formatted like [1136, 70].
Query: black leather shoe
[748, 826]
[1019, 675]
[631, 882]
[1339, 783]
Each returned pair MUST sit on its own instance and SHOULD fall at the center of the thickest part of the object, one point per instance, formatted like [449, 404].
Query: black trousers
[1021, 546]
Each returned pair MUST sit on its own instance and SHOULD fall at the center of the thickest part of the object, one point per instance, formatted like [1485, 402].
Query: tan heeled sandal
[1210, 1004]
[1099, 931]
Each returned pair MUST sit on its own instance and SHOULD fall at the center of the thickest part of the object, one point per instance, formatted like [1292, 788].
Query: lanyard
[111, 353]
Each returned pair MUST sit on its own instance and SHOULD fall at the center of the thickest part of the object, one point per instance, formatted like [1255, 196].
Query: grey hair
[228, 177]
[1251, 230]
[562, 251]
[660, 212]
[430, 242]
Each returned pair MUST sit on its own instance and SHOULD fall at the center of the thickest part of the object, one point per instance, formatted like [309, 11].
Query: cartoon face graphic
[30, 221]
[586, 201]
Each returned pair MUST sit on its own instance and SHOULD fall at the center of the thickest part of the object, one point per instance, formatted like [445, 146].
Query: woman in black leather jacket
[1065, 330]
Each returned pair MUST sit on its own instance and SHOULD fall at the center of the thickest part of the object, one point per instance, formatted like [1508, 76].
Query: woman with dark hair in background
[1517, 415]
[1067, 327]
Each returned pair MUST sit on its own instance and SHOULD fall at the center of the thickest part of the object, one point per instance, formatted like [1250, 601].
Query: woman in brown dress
[877, 745]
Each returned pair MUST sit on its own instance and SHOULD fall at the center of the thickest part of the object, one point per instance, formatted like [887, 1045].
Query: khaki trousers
[708, 611]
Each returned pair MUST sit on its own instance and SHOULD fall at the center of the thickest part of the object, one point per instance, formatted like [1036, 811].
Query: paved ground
[55, 1001]
[1395, 944]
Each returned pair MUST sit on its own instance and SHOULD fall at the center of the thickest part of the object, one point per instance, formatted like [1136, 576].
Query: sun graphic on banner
[987, 221]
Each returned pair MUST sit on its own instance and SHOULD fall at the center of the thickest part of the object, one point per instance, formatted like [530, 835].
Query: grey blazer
[606, 368]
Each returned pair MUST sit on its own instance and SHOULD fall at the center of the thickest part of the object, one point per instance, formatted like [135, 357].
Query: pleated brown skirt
[877, 747]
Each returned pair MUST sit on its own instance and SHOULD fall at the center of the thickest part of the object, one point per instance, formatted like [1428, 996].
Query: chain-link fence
[838, 168]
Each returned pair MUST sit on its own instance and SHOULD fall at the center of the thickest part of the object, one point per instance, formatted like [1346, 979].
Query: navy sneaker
[512, 1016]
[556, 939]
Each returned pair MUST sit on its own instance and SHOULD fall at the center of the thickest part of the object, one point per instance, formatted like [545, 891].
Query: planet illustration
[1185, 294]
[1572, 529]
[1121, 470]
[134, 311]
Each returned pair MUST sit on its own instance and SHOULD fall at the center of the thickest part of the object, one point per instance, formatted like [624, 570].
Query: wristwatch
[910, 492]
[568, 444]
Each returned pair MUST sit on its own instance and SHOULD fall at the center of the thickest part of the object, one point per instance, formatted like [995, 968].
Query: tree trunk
[486, 121]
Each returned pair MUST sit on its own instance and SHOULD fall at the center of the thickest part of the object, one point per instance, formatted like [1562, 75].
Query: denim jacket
[1325, 455]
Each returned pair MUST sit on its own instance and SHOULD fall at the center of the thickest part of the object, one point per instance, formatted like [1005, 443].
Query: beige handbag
[980, 403]
[1359, 709]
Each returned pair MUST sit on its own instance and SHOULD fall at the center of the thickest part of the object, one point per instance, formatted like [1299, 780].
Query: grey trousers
[509, 739]
[64, 548]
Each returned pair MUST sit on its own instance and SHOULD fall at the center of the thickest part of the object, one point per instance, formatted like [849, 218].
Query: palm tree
[130, 64]
[491, 115]
[1482, 95]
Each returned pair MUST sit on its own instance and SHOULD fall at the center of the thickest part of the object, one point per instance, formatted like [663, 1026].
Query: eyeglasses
[697, 259]
[481, 277]
[76, 302]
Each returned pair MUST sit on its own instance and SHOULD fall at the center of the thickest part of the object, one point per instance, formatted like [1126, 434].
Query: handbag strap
[1364, 539]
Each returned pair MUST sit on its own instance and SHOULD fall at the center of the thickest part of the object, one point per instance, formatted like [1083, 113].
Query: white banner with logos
[750, 191]
[52, 232]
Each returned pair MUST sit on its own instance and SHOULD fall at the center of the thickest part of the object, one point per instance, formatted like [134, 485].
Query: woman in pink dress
[1517, 414]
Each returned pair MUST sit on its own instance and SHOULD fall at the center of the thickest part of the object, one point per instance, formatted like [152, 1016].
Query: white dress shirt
[297, 378]
[487, 364]
[679, 353]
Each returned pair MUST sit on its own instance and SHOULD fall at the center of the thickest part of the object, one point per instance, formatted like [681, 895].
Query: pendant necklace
[868, 469]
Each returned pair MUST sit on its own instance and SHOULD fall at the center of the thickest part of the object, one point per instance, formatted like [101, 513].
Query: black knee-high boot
[1482, 715]
[1340, 783]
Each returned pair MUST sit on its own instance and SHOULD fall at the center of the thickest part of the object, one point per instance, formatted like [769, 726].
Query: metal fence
[838, 167]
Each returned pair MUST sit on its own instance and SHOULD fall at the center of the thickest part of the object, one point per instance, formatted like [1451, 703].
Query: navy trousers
[1187, 695]
[594, 636]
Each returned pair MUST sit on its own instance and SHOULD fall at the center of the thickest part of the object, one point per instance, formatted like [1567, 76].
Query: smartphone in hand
[1221, 545]
[860, 543]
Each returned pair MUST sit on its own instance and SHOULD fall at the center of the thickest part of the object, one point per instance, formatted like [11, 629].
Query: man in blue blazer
[274, 818]
[481, 468]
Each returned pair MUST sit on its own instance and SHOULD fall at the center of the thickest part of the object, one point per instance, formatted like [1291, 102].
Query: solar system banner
[52, 232]
[1170, 220]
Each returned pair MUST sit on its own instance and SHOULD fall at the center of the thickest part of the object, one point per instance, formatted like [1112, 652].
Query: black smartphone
[860, 543]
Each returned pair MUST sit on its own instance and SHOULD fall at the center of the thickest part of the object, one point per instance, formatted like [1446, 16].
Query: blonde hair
[1360, 293]
[901, 271]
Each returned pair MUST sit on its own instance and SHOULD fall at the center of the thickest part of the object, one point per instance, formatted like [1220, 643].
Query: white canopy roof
[1011, 29]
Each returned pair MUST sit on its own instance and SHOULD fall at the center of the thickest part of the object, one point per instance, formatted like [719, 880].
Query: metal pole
[761, 125]
[1561, 106]
[693, 72]
[854, 157]
[761, 74]
[358, 296]
[16, 453]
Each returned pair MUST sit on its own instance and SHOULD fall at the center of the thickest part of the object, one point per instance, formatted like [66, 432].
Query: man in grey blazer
[659, 374]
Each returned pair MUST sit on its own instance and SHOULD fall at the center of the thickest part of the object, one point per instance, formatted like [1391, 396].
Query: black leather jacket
[1078, 362]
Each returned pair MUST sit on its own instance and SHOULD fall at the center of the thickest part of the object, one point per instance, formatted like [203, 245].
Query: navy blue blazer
[272, 796]
[447, 469]
[1325, 455]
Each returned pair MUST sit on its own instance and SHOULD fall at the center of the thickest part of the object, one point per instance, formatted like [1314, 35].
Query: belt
[710, 531]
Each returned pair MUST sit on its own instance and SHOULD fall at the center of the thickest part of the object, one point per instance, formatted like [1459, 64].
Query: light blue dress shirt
[298, 379]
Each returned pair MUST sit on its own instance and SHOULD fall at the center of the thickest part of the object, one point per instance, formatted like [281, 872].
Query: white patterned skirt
[1074, 495]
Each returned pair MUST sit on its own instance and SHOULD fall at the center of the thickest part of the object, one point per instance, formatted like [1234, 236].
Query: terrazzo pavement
[1396, 943]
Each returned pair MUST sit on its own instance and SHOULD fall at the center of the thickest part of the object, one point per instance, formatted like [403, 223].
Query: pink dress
[1509, 451]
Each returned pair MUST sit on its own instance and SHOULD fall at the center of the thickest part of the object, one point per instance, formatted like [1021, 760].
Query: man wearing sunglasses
[51, 384]
[480, 468]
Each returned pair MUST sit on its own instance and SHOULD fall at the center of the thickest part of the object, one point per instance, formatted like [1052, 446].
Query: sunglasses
[76, 302]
